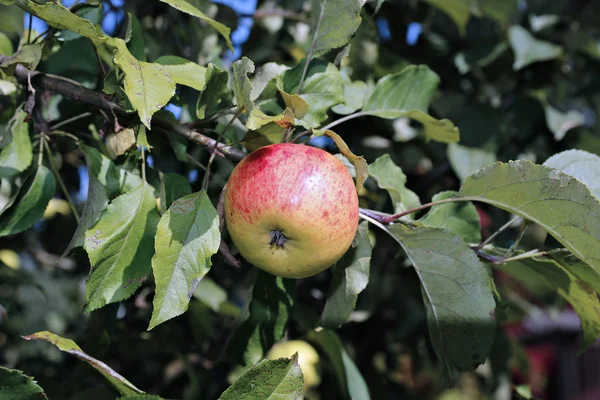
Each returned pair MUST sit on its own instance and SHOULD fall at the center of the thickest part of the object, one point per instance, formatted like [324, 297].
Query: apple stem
[277, 238]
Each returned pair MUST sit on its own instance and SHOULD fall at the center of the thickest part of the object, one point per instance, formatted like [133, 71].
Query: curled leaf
[359, 162]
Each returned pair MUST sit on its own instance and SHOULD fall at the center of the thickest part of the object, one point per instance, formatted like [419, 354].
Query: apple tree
[294, 199]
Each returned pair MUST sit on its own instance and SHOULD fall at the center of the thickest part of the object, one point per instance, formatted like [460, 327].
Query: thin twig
[69, 120]
[72, 90]
[213, 150]
[143, 164]
[515, 245]
[29, 30]
[499, 231]
[61, 133]
[61, 182]
[344, 119]
[311, 52]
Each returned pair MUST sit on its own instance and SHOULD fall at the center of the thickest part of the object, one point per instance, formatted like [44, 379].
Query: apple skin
[308, 359]
[291, 209]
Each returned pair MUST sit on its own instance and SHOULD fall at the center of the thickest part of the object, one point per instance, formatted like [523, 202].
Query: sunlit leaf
[60, 17]
[30, 203]
[16, 156]
[321, 90]
[355, 94]
[579, 164]
[184, 72]
[279, 379]
[17, 386]
[185, 7]
[528, 49]
[67, 345]
[361, 168]
[408, 93]
[350, 278]
[334, 22]
[559, 203]
[241, 85]
[456, 291]
[391, 178]
[149, 86]
[120, 247]
[186, 238]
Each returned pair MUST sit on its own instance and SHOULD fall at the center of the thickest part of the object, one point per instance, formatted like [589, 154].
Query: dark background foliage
[503, 114]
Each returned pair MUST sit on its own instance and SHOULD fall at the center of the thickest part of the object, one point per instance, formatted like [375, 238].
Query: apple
[291, 209]
[308, 359]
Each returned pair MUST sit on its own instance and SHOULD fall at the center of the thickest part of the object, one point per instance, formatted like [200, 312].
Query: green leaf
[458, 218]
[122, 385]
[148, 86]
[273, 300]
[322, 89]
[391, 178]
[279, 379]
[468, 160]
[187, 8]
[498, 10]
[350, 278]
[135, 38]
[528, 49]
[588, 277]
[257, 119]
[241, 85]
[184, 72]
[579, 164]
[456, 291]
[559, 203]
[334, 22]
[120, 249]
[355, 94]
[215, 94]
[59, 17]
[296, 104]
[29, 56]
[361, 168]
[172, 187]
[30, 203]
[16, 156]
[458, 10]
[88, 11]
[6, 47]
[142, 397]
[97, 201]
[211, 294]
[187, 237]
[558, 279]
[408, 93]
[264, 81]
[103, 169]
[349, 377]
[15, 385]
